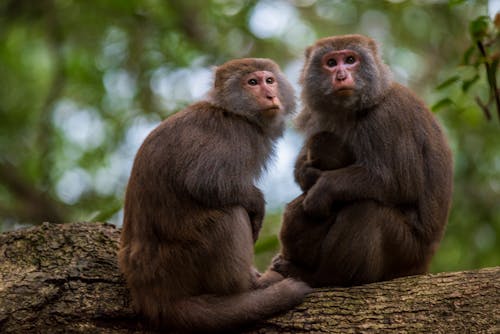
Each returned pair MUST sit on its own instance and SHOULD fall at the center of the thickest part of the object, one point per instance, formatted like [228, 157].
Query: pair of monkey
[375, 169]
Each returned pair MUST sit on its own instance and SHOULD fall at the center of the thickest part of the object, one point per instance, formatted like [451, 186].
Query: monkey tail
[210, 313]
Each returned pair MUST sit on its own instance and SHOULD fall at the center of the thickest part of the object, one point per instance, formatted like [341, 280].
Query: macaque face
[342, 66]
[263, 87]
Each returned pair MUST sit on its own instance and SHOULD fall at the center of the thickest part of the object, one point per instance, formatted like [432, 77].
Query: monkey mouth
[271, 111]
[344, 91]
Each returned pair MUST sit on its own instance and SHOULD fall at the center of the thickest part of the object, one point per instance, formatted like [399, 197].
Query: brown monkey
[380, 213]
[322, 151]
[192, 211]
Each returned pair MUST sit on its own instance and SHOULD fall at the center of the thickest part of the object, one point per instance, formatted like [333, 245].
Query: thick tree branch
[64, 279]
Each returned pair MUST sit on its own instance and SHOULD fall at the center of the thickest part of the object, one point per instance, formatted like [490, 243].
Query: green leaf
[468, 83]
[468, 54]
[441, 104]
[448, 82]
[479, 27]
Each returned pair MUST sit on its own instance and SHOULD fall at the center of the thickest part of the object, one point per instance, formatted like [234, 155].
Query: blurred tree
[83, 82]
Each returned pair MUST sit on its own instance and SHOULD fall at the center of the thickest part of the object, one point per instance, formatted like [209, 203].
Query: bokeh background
[82, 82]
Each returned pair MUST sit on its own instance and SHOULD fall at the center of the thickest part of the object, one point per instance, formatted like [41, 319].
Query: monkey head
[254, 88]
[344, 73]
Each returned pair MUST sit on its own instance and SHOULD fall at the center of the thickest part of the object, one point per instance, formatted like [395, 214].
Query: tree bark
[65, 279]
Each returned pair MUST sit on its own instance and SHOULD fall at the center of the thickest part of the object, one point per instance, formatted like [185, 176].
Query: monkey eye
[270, 80]
[252, 82]
[331, 62]
[350, 60]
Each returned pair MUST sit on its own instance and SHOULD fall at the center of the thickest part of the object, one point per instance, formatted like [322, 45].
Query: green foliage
[84, 81]
[484, 51]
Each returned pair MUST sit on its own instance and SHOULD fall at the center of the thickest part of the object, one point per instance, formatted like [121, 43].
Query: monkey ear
[217, 76]
[374, 46]
[214, 69]
[308, 51]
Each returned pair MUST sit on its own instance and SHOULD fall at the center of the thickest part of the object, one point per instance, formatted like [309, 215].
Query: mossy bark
[65, 279]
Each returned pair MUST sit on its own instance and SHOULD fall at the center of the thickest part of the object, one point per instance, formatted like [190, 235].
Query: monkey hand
[268, 278]
[256, 210]
[280, 265]
[308, 177]
[318, 202]
[256, 224]
[287, 269]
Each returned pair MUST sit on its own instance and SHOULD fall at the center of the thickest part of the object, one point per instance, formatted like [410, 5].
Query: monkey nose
[341, 76]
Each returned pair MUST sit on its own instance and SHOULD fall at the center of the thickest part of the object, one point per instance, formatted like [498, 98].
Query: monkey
[192, 211]
[322, 151]
[378, 207]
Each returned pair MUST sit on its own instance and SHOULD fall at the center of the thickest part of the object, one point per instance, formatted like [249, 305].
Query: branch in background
[484, 107]
[37, 206]
[492, 82]
[46, 129]
[136, 63]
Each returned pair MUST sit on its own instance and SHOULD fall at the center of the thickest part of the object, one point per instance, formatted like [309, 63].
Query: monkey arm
[305, 174]
[351, 183]
[215, 179]
[255, 206]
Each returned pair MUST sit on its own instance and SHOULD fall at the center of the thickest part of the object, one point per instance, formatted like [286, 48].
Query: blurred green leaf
[441, 104]
[448, 82]
[468, 54]
[478, 28]
[466, 84]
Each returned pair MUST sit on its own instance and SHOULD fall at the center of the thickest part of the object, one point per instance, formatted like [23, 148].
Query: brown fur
[381, 212]
[192, 211]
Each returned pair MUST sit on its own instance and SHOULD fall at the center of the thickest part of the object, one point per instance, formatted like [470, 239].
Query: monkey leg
[370, 242]
[207, 285]
[301, 237]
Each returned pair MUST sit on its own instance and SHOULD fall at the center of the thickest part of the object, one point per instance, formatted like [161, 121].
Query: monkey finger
[317, 205]
[310, 176]
[269, 278]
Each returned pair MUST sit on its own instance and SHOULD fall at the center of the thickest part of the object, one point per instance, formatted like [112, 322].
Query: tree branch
[65, 279]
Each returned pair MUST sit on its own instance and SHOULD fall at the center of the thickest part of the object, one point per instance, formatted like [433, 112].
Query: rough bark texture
[65, 279]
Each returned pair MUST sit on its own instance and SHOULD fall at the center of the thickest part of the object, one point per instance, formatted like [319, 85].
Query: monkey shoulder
[205, 115]
[195, 123]
[406, 103]
[402, 112]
